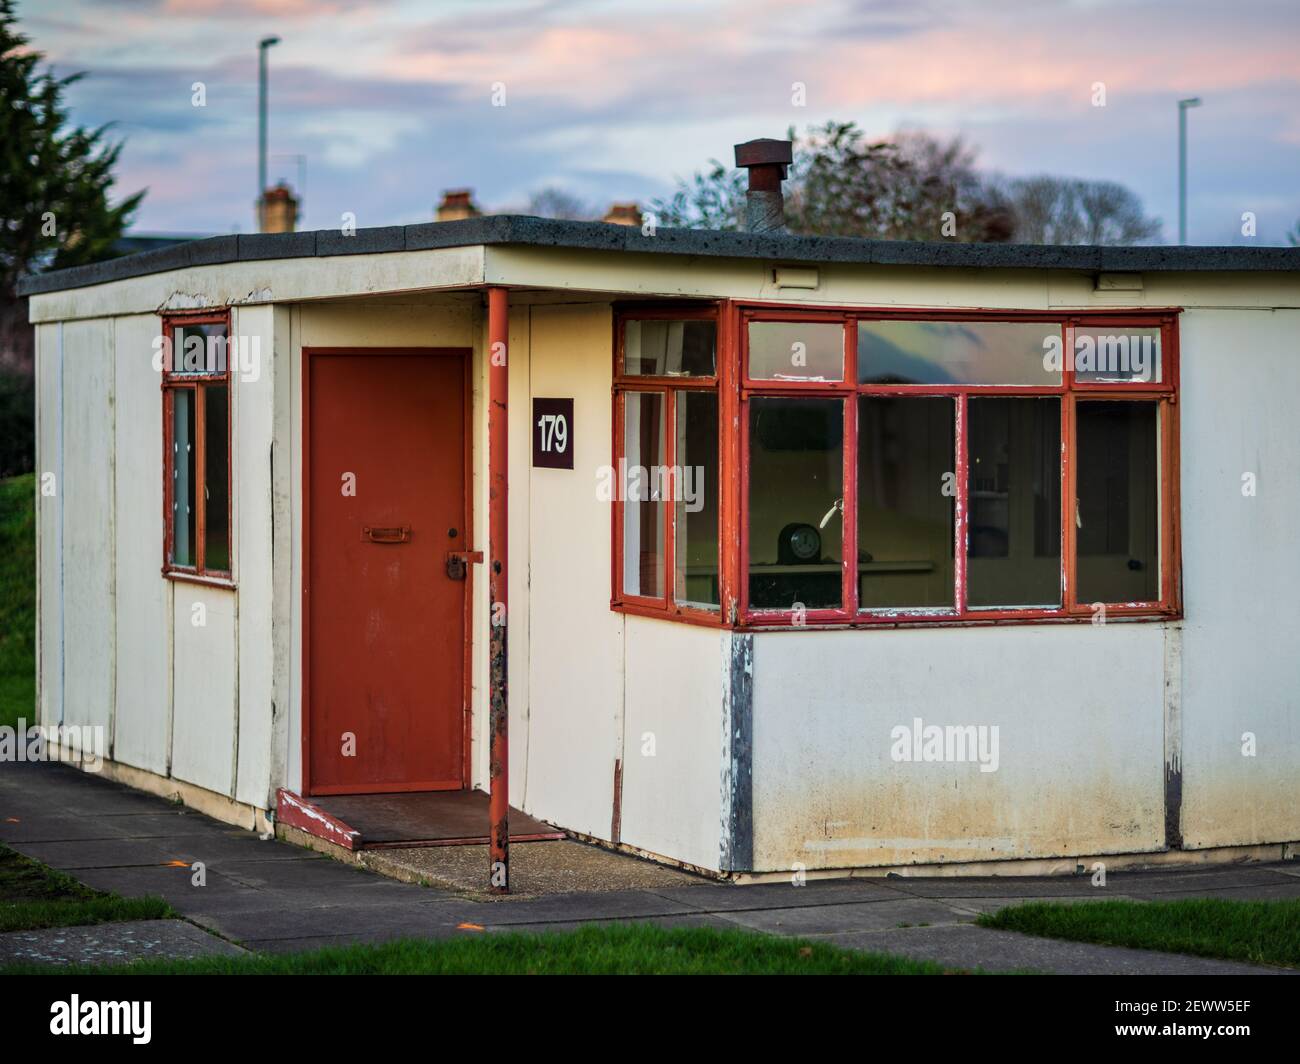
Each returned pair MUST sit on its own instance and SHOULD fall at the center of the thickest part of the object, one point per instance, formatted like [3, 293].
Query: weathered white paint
[1080, 715]
[251, 433]
[1085, 713]
[575, 678]
[268, 281]
[672, 698]
[203, 725]
[1241, 640]
[283, 450]
[49, 522]
[143, 596]
[89, 619]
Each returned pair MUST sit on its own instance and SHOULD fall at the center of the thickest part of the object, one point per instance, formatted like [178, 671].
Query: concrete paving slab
[241, 846]
[94, 853]
[679, 920]
[992, 905]
[967, 946]
[991, 886]
[44, 828]
[1227, 877]
[831, 919]
[307, 873]
[314, 942]
[536, 868]
[112, 943]
[184, 824]
[370, 921]
[38, 787]
[722, 897]
[1278, 891]
[175, 886]
[598, 905]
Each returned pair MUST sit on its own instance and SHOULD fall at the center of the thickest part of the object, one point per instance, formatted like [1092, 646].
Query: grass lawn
[619, 949]
[34, 896]
[18, 599]
[1261, 932]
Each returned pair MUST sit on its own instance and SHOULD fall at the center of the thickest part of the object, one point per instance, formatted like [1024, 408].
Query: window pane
[1117, 474]
[695, 540]
[199, 349]
[796, 351]
[1117, 354]
[216, 412]
[669, 348]
[643, 494]
[182, 461]
[1014, 528]
[796, 500]
[957, 352]
[905, 502]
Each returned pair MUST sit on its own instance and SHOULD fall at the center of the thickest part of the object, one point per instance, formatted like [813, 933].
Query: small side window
[196, 448]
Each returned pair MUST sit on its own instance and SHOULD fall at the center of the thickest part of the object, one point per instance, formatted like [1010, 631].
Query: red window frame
[665, 605]
[736, 389]
[171, 383]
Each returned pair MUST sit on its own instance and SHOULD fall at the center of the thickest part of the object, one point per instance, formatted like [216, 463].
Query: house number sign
[553, 433]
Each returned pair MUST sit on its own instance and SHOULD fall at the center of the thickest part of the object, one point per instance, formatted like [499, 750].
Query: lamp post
[1183, 105]
[262, 46]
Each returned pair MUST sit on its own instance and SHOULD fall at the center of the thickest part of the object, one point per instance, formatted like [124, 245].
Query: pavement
[269, 896]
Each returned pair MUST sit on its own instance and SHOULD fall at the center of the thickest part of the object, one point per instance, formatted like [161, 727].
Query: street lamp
[1183, 105]
[262, 46]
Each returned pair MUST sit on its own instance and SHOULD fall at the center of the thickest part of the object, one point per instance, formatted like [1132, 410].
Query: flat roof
[501, 229]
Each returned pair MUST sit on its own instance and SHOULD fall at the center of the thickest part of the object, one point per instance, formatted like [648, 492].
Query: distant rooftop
[505, 229]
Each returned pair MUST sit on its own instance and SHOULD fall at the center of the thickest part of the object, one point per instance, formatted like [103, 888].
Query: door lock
[458, 562]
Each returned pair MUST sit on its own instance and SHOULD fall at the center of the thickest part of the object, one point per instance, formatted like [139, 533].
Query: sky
[378, 106]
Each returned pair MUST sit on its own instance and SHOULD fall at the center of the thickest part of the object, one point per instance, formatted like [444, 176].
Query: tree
[54, 212]
[54, 179]
[554, 202]
[908, 187]
[1062, 210]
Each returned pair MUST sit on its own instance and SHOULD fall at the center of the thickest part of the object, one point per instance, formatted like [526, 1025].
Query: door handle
[387, 535]
[458, 562]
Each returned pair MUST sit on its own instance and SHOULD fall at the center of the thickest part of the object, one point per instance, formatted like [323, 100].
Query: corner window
[666, 464]
[196, 445]
[837, 466]
[955, 469]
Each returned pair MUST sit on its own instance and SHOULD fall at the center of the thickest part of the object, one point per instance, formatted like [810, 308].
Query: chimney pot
[623, 214]
[768, 162]
[278, 211]
[457, 203]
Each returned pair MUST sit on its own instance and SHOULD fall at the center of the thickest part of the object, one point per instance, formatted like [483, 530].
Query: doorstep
[399, 821]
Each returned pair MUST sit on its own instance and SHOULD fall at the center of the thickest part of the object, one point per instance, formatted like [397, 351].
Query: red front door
[385, 633]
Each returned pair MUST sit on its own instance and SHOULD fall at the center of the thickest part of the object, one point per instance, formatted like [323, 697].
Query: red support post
[498, 537]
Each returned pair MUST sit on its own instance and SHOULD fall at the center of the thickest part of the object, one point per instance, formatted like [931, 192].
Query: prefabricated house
[754, 553]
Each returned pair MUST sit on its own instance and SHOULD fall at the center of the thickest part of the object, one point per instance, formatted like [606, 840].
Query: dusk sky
[390, 101]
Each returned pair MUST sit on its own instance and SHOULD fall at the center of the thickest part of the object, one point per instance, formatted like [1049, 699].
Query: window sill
[759, 623]
[679, 615]
[182, 577]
